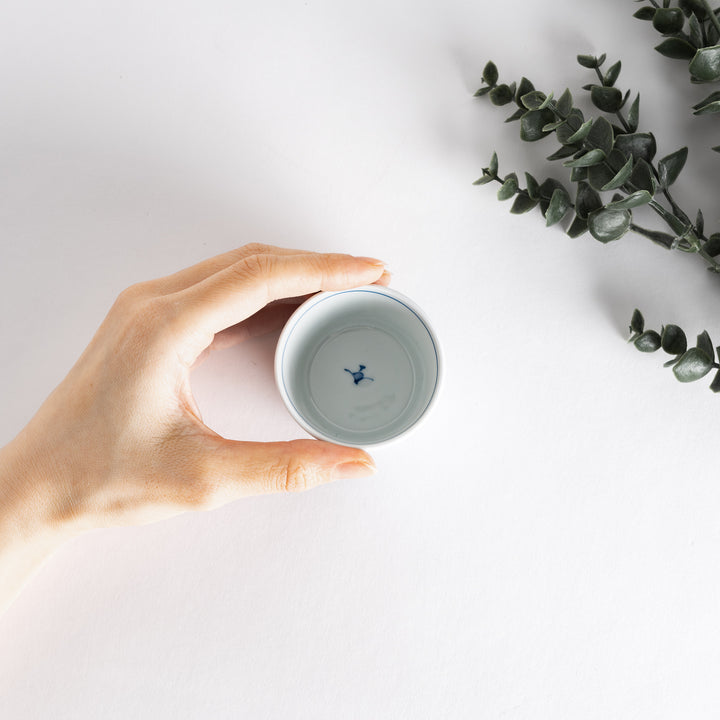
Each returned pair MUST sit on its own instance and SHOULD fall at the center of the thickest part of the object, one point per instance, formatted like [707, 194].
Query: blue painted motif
[359, 375]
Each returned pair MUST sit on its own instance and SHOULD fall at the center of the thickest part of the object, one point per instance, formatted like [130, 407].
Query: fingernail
[372, 261]
[348, 471]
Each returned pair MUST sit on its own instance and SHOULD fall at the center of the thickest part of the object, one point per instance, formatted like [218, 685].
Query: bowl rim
[295, 319]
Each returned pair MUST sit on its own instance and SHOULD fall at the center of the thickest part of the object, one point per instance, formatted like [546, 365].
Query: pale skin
[121, 441]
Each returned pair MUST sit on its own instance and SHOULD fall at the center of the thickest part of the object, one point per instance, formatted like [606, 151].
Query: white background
[547, 545]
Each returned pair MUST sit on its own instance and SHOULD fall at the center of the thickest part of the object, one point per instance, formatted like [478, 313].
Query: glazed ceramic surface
[358, 367]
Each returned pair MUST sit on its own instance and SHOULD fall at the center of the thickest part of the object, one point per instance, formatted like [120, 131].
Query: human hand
[120, 441]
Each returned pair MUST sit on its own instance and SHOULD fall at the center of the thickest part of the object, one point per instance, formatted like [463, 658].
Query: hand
[121, 441]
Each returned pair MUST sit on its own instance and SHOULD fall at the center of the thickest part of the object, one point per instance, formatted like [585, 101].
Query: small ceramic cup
[358, 367]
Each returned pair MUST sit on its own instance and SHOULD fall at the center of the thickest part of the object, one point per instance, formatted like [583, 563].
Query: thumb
[237, 469]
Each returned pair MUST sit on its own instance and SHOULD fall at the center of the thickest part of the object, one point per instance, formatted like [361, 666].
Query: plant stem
[679, 212]
[712, 15]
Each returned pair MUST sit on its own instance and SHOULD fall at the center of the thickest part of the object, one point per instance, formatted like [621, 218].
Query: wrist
[28, 510]
[29, 529]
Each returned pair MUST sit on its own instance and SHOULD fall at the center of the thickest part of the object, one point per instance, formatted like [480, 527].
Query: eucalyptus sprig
[604, 155]
[688, 364]
[692, 33]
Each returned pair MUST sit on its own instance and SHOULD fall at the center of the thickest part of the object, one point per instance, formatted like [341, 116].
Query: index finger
[243, 288]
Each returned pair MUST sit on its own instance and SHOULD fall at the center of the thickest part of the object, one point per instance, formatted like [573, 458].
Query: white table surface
[547, 545]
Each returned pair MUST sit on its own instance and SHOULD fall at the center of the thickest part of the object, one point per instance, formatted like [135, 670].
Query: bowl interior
[358, 367]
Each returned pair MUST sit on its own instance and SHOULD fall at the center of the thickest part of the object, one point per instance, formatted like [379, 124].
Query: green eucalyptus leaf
[712, 246]
[645, 13]
[532, 124]
[490, 73]
[700, 222]
[524, 87]
[592, 157]
[522, 204]
[560, 203]
[612, 74]
[607, 99]
[633, 118]
[533, 100]
[600, 135]
[533, 188]
[710, 105]
[577, 227]
[676, 48]
[696, 7]
[668, 20]
[607, 224]
[587, 200]
[550, 127]
[704, 343]
[637, 145]
[709, 100]
[671, 166]
[621, 177]
[581, 134]
[571, 125]
[588, 61]
[493, 166]
[639, 197]
[637, 322]
[578, 174]
[546, 190]
[483, 91]
[564, 151]
[709, 108]
[501, 95]
[674, 341]
[565, 103]
[508, 188]
[546, 101]
[516, 115]
[643, 177]
[695, 30]
[705, 65]
[715, 384]
[484, 180]
[599, 175]
[693, 365]
[648, 341]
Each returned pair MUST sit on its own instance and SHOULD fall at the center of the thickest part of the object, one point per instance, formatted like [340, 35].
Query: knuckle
[256, 266]
[255, 248]
[132, 295]
[295, 477]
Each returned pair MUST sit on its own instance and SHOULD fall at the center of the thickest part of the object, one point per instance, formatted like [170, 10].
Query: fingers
[238, 469]
[269, 319]
[241, 289]
[197, 273]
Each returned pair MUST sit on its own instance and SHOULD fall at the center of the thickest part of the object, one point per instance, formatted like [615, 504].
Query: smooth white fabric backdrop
[546, 546]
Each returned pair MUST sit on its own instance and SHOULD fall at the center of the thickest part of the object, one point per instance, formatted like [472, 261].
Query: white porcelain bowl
[358, 367]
